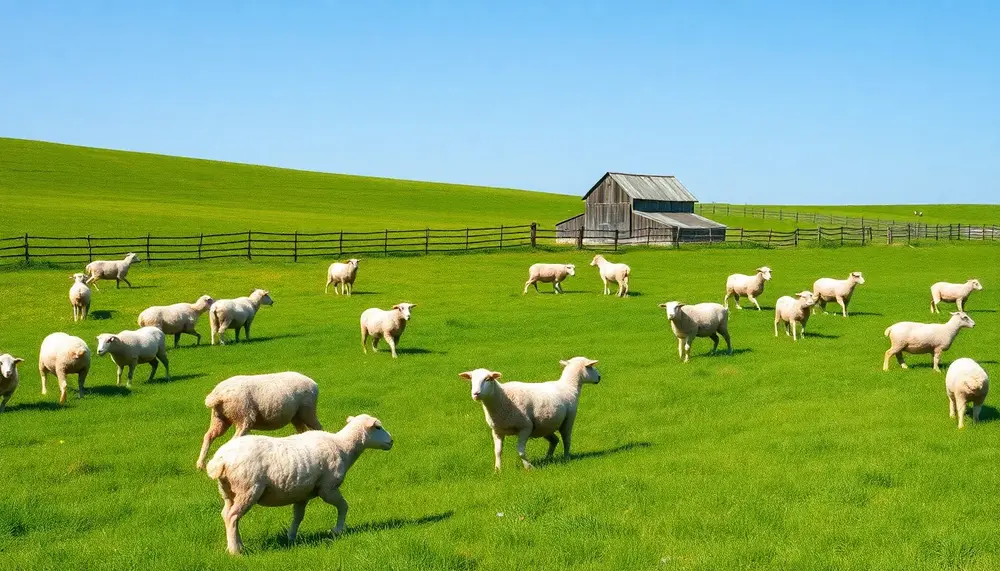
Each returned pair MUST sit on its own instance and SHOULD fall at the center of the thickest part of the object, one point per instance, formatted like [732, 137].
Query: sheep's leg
[522, 444]
[725, 300]
[350, 288]
[680, 347]
[776, 327]
[118, 376]
[687, 348]
[392, 344]
[960, 303]
[62, 386]
[3, 405]
[937, 360]
[960, 409]
[715, 342]
[526, 284]
[246, 330]
[788, 331]
[607, 290]
[177, 339]
[497, 450]
[45, 379]
[237, 332]
[127, 282]
[117, 283]
[724, 331]
[951, 404]
[81, 378]
[197, 337]
[152, 373]
[754, 300]
[934, 308]
[74, 314]
[553, 442]
[326, 289]
[736, 300]
[298, 512]
[566, 431]
[333, 497]
[794, 336]
[306, 419]
[375, 339]
[166, 364]
[843, 305]
[216, 428]
[364, 341]
[977, 407]
[241, 505]
[131, 372]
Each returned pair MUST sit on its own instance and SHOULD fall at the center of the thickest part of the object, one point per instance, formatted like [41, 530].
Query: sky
[846, 102]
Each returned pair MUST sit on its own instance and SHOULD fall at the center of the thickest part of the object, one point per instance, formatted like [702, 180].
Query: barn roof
[680, 219]
[649, 187]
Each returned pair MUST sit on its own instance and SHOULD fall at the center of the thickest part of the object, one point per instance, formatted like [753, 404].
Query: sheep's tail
[78, 352]
[216, 467]
[213, 318]
[212, 399]
[887, 330]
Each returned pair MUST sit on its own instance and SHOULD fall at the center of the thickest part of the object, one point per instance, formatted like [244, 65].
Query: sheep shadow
[174, 378]
[555, 459]
[864, 313]
[102, 314]
[723, 353]
[280, 541]
[981, 311]
[820, 335]
[266, 338]
[418, 351]
[988, 414]
[107, 391]
[43, 405]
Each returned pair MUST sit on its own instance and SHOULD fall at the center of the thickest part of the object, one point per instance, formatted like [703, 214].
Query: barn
[642, 209]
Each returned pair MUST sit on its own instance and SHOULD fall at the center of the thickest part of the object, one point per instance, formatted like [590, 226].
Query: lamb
[291, 471]
[129, 348]
[917, 338]
[79, 297]
[549, 273]
[956, 293]
[342, 274]
[699, 320]
[63, 355]
[9, 378]
[177, 318]
[750, 286]
[966, 382]
[613, 272]
[388, 325]
[792, 310]
[260, 402]
[116, 270]
[829, 289]
[236, 313]
[532, 410]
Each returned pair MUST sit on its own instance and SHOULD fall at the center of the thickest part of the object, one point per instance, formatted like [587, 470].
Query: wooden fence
[785, 214]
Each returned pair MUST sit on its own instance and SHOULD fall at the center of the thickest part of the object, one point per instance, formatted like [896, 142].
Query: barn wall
[608, 192]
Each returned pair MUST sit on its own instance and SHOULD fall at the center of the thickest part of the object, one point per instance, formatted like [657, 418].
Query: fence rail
[785, 214]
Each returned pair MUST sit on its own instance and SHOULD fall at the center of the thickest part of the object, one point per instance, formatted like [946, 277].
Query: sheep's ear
[396, 306]
[18, 360]
[412, 305]
[591, 362]
[663, 305]
[495, 375]
[350, 419]
[371, 422]
[466, 375]
[564, 363]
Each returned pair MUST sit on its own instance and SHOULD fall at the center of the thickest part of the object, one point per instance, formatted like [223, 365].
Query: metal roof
[650, 187]
[680, 219]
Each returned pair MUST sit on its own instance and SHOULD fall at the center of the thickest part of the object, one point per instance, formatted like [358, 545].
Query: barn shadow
[161, 380]
[102, 314]
[557, 459]
[43, 405]
[280, 541]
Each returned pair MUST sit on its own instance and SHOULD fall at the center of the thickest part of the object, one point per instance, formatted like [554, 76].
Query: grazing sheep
[829, 289]
[235, 314]
[698, 320]
[129, 348]
[177, 318]
[9, 378]
[291, 471]
[79, 297]
[116, 270]
[260, 402]
[549, 273]
[63, 355]
[955, 293]
[917, 338]
[791, 310]
[532, 410]
[966, 382]
[613, 272]
[388, 325]
[750, 286]
[342, 274]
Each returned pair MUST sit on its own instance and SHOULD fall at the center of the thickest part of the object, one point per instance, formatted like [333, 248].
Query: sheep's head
[206, 300]
[79, 278]
[262, 296]
[354, 262]
[671, 307]
[105, 341]
[764, 271]
[976, 285]
[807, 298]
[131, 257]
[963, 319]
[7, 365]
[404, 309]
[571, 269]
[585, 367]
[598, 260]
[483, 382]
[857, 277]
[374, 435]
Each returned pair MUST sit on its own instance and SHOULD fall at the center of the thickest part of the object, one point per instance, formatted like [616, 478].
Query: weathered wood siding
[608, 207]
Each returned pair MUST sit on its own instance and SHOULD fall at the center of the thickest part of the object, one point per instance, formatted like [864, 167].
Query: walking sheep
[291, 471]
[532, 410]
[549, 273]
[116, 270]
[918, 338]
[9, 378]
[235, 314]
[698, 320]
[79, 297]
[177, 318]
[342, 274]
[750, 286]
[966, 382]
[389, 325]
[829, 289]
[791, 310]
[260, 402]
[612, 272]
[955, 293]
[129, 348]
[63, 355]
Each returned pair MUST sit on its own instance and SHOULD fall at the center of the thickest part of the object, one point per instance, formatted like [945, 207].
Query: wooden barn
[643, 209]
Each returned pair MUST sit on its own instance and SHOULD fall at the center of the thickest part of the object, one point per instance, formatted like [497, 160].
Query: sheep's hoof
[337, 532]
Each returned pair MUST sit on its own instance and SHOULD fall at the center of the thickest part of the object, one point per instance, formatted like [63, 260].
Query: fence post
[907, 232]
[249, 247]
[27, 256]
[427, 240]
[201, 241]
[534, 231]
[616, 239]
[90, 249]
[295, 247]
[340, 247]
[841, 235]
[888, 235]
[864, 231]
[796, 236]
[769, 234]
[741, 237]
[501, 237]
[148, 254]
[579, 239]
[959, 231]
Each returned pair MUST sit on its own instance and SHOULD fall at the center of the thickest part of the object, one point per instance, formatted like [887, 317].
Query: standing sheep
[791, 310]
[918, 338]
[612, 272]
[699, 320]
[532, 410]
[829, 289]
[955, 293]
[966, 382]
[177, 318]
[388, 325]
[116, 270]
[129, 348]
[260, 402]
[291, 471]
[342, 274]
[63, 355]
[79, 297]
[236, 313]
[750, 286]
[9, 378]
[549, 273]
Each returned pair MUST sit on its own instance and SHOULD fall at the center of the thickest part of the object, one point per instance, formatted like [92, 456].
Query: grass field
[782, 456]
[977, 214]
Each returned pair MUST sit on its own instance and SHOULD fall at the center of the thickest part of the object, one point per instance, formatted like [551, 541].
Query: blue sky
[759, 102]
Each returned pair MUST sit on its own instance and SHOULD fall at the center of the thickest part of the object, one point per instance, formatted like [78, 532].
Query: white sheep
[829, 289]
[549, 273]
[236, 313]
[260, 402]
[389, 325]
[955, 293]
[129, 348]
[750, 286]
[63, 355]
[966, 382]
[9, 379]
[291, 471]
[532, 410]
[79, 296]
[918, 338]
[111, 270]
[342, 274]
[177, 318]
[613, 272]
[791, 310]
[698, 320]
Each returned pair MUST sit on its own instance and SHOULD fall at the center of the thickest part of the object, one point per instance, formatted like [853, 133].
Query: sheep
[699, 320]
[750, 286]
[342, 274]
[956, 293]
[612, 272]
[791, 310]
[79, 297]
[9, 378]
[129, 348]
[966, 382]
[549, 273]
[177, 318]
[63, 355]
[236, 313]
[917, 338]
[116, 270]
[291, 471]
[829, 289]
[532, 410]
[388, 325]
[260, 402]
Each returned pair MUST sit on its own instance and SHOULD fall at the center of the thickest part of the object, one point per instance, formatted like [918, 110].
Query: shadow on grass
[723, 353]
[280, 541]
[102, 314]
[864, 314]
[556, 459]
[988, 414]
[160, 380]
[108, 391]
[415, 351]
[981, 311]
[820, 335]
[266, 338]
[44, 405]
